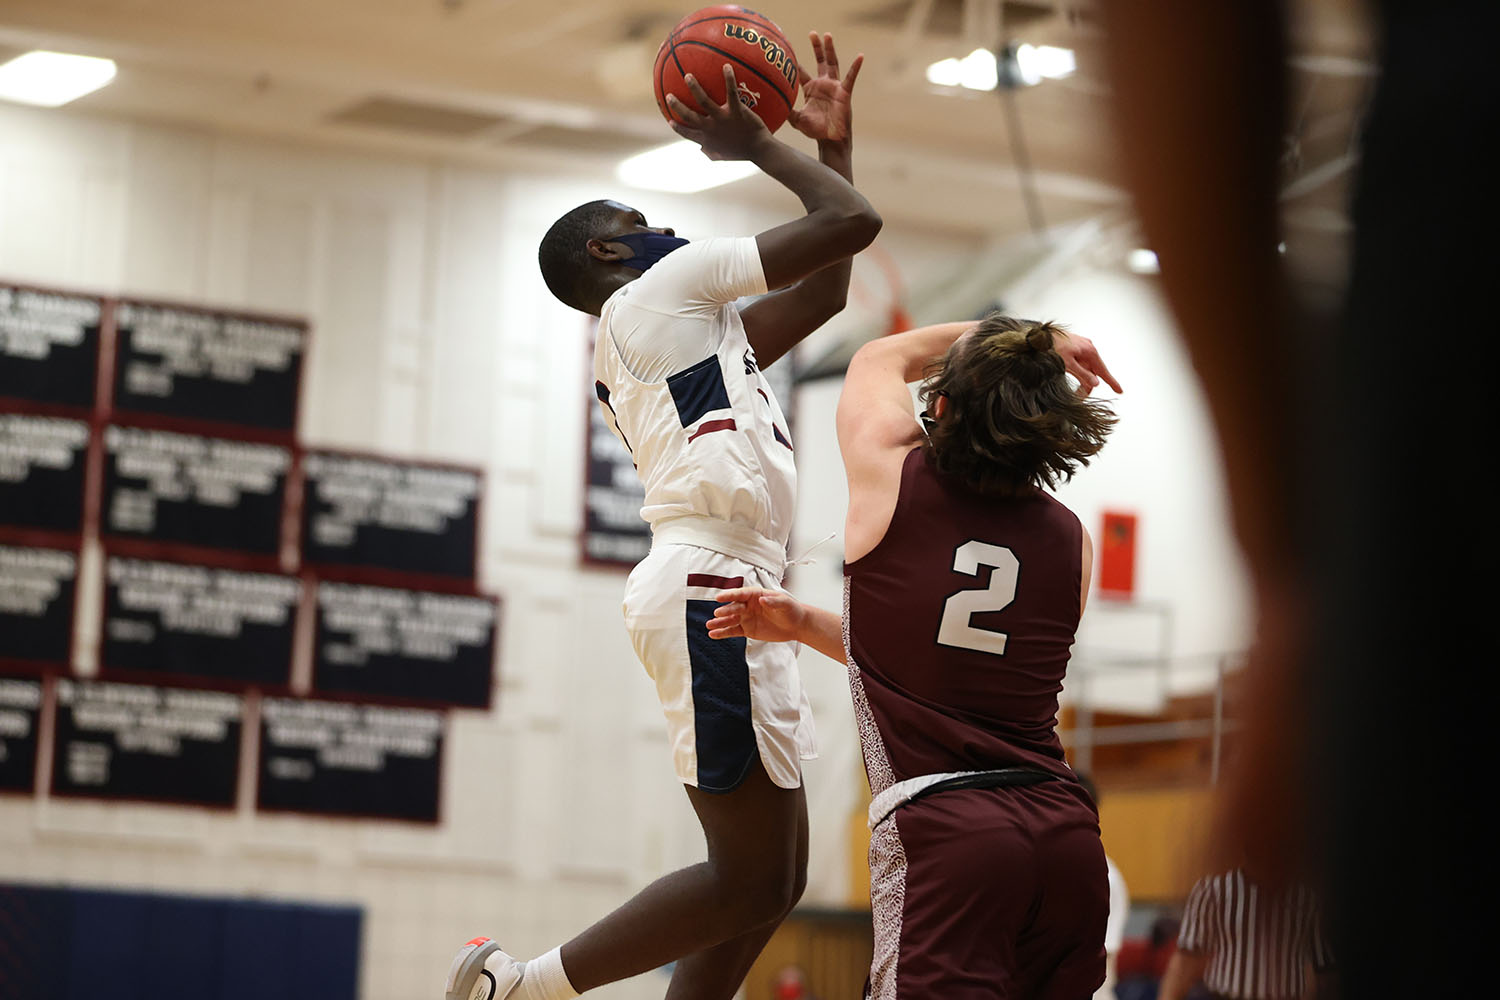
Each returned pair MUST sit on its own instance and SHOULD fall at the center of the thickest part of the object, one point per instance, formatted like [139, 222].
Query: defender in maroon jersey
[964, 584]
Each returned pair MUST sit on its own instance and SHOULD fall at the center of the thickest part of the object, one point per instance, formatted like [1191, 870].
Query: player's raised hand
[826, 113]
[728, 131]
[756, 614]
[1083, 362]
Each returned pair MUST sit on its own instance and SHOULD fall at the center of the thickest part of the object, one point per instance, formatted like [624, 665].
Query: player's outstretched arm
[911, 352]
[772, 616]
[777, 322]
[876, 425]
[839, 221]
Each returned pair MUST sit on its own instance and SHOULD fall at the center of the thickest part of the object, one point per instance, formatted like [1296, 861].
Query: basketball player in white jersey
[677, 370]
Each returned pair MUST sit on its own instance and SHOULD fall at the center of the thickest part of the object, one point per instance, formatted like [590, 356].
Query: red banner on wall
[1117, 555]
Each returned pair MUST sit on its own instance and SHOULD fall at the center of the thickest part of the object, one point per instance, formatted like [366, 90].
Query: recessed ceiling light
[945, 73]
[680, 167]
[1036, 62]
[52, 78]
[976, 71]
[1143, 261]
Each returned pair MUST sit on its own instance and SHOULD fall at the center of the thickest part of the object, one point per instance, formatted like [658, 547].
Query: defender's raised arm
[839, 221]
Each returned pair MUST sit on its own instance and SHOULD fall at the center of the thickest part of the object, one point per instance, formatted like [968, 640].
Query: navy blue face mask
[647, 248]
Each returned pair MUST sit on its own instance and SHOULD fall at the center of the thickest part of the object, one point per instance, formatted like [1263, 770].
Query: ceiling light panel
[680, 167]
[50, 79]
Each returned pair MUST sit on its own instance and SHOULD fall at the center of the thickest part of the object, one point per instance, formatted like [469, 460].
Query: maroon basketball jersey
[958, 626]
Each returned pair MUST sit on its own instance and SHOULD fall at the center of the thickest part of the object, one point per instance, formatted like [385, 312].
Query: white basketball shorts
[725, 700]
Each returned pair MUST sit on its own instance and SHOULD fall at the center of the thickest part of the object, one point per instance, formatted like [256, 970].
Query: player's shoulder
[1058, 510]
[700, 253]
[699, 277]
[681, 269]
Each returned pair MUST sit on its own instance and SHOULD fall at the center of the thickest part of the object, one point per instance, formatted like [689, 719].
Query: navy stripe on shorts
[721, 703]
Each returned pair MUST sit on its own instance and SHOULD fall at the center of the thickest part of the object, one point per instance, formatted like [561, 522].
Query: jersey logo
[750, 366]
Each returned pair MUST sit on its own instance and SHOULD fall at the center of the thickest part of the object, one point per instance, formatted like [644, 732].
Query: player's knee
[790, 882]
[799, 884]
[768, 899]
[764, 893]
[769, 904]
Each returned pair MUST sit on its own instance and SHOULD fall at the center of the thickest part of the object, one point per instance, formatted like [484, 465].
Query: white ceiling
[566, 85]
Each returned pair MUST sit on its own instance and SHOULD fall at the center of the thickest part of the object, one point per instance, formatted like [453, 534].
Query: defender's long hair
[1014, 422]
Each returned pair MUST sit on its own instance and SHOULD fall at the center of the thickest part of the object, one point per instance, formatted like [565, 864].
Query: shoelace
[806, 559]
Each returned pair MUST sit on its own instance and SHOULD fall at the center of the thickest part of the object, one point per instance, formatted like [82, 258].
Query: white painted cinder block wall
[433, 337]
[1161, 463]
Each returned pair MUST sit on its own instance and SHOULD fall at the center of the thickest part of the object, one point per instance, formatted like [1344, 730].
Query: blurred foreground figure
[1348, 455]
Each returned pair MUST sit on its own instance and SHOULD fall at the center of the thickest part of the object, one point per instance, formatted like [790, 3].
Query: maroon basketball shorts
[989, 893]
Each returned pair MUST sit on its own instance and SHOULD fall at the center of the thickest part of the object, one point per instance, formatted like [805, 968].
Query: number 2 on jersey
[1005, 568]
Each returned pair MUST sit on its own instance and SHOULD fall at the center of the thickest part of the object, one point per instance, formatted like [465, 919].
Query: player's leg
[951, 902]
[719, 971]
[755, 828]
[748, 883]
[1060, 956]
[754, 869]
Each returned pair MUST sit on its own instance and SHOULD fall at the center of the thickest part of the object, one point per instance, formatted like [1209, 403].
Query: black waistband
[1004, 778]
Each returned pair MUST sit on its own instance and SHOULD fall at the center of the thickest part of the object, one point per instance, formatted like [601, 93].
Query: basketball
[765, 67]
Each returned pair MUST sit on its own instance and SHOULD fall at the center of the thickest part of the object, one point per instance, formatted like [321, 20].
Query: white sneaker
[481, 971]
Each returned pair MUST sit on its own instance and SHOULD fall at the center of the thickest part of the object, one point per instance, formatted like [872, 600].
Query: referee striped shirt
[1258, 941]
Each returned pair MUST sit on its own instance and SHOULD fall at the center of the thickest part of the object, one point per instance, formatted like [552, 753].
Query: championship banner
[198, 622]
[201, 365]
[20, 713]
[343, 759]
[43, 473]
[192, 490]
[365, 513]
[129, 741]
[49, 346]
[408, 645]
[37, 591]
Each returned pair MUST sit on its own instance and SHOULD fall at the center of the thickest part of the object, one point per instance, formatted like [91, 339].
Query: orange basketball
[765, 68]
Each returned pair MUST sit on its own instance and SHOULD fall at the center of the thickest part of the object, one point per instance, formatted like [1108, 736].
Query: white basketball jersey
[709, 439]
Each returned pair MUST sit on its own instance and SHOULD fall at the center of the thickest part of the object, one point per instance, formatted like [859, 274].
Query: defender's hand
[1083, 362]
[756, 614]
[826, 113]
[729, 131]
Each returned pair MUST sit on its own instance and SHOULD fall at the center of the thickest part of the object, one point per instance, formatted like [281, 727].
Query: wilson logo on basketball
[774, 53]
